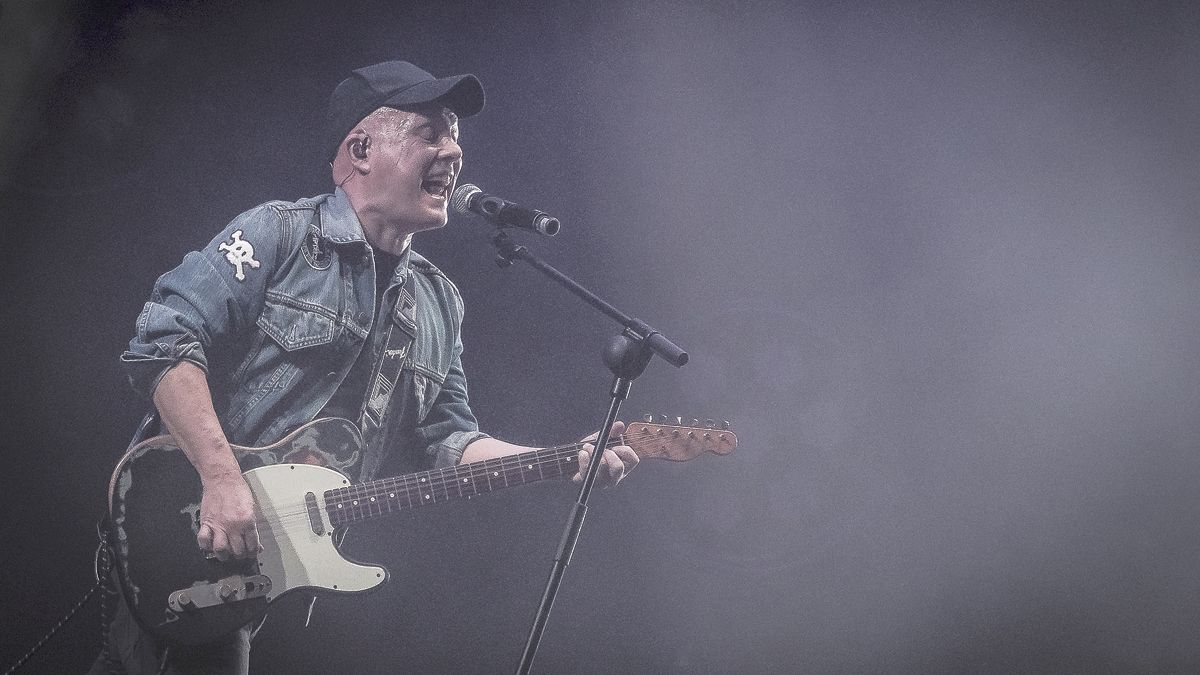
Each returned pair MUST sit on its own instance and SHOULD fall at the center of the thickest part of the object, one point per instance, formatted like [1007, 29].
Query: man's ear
[358, 148]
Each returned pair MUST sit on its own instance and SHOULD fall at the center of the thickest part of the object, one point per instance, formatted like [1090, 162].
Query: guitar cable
[101, 568]
[100, 562]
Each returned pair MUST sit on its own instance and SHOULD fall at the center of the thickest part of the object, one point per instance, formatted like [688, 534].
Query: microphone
[470, 199]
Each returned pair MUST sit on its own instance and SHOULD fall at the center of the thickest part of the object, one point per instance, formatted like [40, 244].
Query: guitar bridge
[230, 589]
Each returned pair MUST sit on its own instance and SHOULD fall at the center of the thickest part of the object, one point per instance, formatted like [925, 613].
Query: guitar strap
[385, 375]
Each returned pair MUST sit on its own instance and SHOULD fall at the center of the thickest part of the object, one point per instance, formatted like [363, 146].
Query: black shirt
[347, 401]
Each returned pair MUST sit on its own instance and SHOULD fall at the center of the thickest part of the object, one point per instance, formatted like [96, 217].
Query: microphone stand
[626, 355]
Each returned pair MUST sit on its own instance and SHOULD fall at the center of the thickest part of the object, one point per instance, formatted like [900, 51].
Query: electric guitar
[183, 597]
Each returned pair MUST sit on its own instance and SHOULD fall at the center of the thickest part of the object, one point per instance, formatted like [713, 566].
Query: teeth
[436, 186]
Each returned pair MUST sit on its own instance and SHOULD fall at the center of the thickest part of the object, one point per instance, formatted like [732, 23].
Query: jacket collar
[339, 222]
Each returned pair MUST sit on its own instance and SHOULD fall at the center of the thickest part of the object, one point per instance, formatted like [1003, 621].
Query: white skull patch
[239, 252]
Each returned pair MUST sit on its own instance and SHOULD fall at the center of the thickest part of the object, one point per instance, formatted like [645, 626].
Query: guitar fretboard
[389, 495]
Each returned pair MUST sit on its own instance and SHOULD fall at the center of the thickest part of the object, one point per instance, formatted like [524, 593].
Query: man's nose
[451, 150]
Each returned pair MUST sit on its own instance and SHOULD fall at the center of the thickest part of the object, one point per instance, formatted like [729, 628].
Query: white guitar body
[294, 554]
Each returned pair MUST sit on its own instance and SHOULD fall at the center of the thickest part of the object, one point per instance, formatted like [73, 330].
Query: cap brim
[461, 93]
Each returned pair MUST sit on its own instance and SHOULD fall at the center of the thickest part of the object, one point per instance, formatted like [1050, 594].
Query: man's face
[415, 162]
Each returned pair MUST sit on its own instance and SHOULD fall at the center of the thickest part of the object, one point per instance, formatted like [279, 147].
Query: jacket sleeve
[450, 425]
[197, 310]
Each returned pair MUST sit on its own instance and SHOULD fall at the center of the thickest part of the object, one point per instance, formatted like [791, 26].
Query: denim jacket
[276, 309]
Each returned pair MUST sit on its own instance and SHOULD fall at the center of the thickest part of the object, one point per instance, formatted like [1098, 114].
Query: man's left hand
[617, 461]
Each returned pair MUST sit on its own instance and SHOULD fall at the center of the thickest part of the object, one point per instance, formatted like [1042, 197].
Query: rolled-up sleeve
[450, 425]
[198, 308]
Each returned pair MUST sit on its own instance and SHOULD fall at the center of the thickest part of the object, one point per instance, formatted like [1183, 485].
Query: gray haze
[936, 262]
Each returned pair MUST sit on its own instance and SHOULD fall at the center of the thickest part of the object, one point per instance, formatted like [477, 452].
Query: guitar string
[407, 486]
[443, 478]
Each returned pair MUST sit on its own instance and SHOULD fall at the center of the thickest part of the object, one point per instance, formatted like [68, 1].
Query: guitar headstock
[676, 441]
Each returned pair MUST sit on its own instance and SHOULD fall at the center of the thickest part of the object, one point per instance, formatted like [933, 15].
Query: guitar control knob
[185, 600]
[227, 591]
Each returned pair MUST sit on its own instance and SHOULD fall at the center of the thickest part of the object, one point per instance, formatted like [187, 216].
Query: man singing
[320, 308]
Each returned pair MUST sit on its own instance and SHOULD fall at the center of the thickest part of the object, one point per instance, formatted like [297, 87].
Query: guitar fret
[469, 481]
[426, 490]
[384, 496]
[474, 480]
[441, 480]
[331, 507]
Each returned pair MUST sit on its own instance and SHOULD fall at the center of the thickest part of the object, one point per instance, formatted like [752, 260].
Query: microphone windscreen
[461, 199]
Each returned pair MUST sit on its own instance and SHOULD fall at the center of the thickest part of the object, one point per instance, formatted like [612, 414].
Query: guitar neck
[381, 497]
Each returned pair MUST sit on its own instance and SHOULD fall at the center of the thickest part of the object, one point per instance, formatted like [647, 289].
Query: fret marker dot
[356, 502]
[531, 467]
[372, 499]
[340, 506]
[426, 496]
[464, 480]
[422, 479]
[391, 495]
[495, 473]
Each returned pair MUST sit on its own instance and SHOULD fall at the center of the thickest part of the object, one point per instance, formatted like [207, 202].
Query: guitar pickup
[227, 590]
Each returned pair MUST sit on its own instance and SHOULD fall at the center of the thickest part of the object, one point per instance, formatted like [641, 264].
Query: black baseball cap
[395, 84]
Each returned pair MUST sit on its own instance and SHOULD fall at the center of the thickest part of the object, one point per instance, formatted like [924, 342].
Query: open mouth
[438, 186]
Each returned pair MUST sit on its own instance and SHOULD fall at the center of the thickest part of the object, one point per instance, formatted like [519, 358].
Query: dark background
[936, 261]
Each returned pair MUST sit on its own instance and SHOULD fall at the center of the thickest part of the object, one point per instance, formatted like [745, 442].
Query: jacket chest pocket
[291, 341]
[296, 328]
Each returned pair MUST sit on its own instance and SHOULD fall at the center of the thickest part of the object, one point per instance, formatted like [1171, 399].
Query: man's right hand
[227, 528]
[227, 522]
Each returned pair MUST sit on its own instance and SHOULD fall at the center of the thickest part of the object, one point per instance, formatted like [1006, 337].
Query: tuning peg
[695, 422]
[678, 421]
[709, 424]
[662, 418]
[725, 425]
[648, 418]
